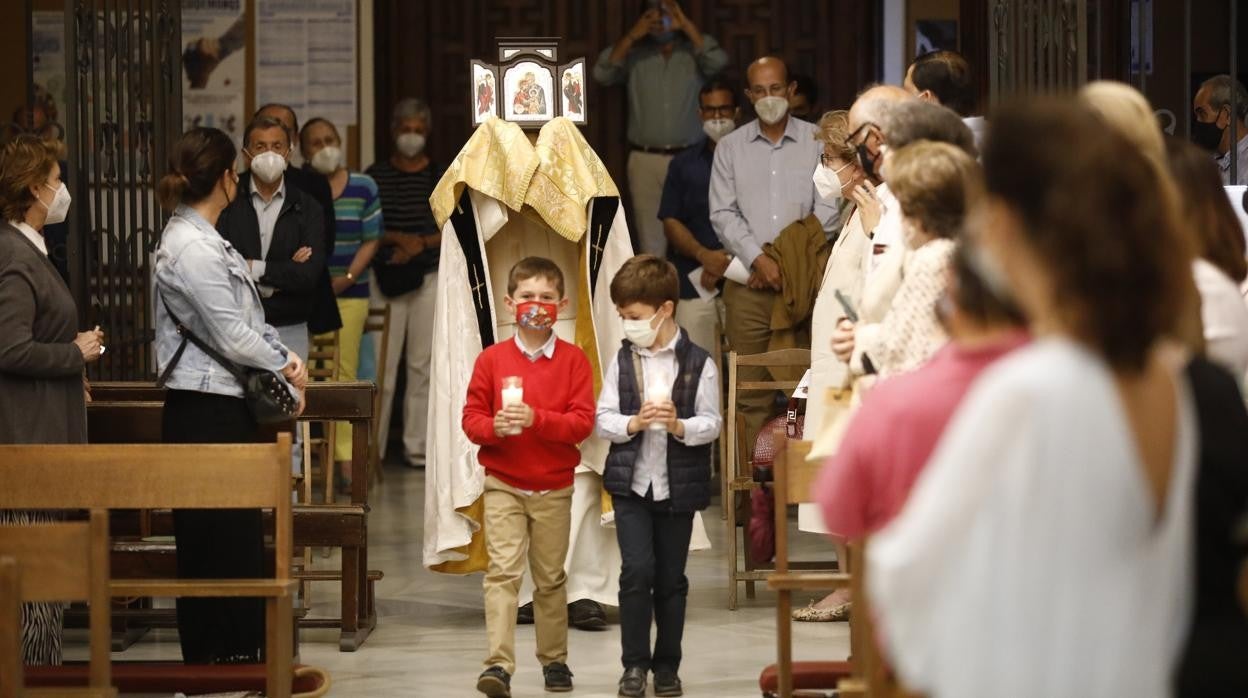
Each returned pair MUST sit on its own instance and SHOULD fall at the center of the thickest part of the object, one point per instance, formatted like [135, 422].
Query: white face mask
[268, 166]
[410, 144]
[771, 109]
[990, 271]
[640, 332]
[716, 129]
[828, 182]
[59, 208]
[327, 159]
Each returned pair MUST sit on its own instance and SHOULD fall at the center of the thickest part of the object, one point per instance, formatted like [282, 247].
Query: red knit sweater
[561, 392]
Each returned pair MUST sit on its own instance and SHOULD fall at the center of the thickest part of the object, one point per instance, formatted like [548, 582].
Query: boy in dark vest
[529, 437]
[659, 408]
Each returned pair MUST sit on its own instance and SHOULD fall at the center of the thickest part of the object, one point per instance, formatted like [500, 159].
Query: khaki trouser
[538, 524]
[646, 174]
[700, 318]
[748, 328]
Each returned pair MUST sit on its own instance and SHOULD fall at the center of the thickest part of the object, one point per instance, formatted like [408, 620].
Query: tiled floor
[430, 637]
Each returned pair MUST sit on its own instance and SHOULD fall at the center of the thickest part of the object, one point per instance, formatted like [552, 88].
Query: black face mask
[867, 161]
[1207, 135]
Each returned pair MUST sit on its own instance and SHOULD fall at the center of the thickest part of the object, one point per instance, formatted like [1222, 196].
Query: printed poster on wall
[306, 57]
[214, 65]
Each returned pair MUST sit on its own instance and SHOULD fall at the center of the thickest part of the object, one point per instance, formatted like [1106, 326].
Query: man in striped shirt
[405, 272]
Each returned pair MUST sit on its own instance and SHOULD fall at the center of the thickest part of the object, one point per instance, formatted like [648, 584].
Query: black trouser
[654, 546]
[216, 544]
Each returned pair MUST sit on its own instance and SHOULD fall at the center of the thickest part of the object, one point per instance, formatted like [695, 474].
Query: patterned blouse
[910, 333]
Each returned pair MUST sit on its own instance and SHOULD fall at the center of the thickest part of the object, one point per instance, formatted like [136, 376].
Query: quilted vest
[688, 467]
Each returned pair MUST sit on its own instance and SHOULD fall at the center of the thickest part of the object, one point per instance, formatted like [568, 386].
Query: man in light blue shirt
[663, 60]
[761, 183]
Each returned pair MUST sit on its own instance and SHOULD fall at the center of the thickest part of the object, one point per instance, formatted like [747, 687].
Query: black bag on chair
[268, 399]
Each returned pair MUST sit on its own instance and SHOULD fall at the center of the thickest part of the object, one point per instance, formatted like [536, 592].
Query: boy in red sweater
[530, 450]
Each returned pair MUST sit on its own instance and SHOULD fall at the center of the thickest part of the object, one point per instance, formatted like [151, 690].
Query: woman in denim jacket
[203, 282]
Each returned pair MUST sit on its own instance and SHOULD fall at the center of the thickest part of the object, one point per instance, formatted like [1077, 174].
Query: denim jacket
[206, 284]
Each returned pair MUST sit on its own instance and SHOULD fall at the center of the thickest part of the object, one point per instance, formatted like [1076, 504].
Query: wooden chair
[323, 361]
[739, 478]
[792, 479]
[378, 321]
[55, 562]
[199, 476]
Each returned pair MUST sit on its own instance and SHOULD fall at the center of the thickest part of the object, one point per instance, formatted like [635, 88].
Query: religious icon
[483, 98]
[572, 94]
[529, 88]
[485, 94]
[574, 100]
[530, 97]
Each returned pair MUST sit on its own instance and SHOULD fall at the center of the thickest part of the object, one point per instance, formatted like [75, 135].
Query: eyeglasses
[758, 91]
[724, 111]
[860, 135]
[280, 149]
[830, 161]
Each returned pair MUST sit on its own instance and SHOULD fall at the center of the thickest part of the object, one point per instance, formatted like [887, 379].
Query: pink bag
[762, 526]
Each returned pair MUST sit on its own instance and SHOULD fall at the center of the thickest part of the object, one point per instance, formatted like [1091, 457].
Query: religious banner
[214, 66]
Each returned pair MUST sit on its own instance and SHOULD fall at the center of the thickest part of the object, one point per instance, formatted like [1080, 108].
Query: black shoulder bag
[268, 399]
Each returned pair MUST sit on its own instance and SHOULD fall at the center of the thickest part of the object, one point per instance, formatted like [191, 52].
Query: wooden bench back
[55, 562]
[148, 476]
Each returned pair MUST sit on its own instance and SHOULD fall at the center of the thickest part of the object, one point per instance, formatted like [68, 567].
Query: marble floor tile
[430, 638]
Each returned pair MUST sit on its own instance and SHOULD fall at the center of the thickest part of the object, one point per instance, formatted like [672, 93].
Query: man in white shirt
[761, 183]
[944, 77]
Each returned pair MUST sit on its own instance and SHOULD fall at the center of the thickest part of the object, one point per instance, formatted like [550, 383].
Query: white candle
[658, 390]
[513, 394]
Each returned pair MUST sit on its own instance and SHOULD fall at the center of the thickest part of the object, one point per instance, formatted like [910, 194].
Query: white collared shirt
[650, 470]
[266, 215]
[547, 349]
[35, 237]
[887, 232]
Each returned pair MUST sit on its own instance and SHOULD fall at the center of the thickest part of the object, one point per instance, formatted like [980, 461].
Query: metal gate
[1037, 46]
[124, 109]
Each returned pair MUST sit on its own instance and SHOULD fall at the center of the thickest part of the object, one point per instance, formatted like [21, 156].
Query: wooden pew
[55, 562]
[199, 476]
[131, 413]
[10, 630]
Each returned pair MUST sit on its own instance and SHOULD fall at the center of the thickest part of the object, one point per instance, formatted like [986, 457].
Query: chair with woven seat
[738, 470]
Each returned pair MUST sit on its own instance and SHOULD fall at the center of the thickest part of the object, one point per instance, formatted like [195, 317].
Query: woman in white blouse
[1221, 265]
[1045, 550]
[935, 185]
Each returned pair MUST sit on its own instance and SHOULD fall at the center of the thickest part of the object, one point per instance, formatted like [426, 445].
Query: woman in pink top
[866, 483]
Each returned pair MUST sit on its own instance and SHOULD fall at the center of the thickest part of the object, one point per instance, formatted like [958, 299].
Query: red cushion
[807, 675]
[168, 677]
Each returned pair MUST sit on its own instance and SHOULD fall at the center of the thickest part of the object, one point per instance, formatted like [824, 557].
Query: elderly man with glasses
[761, 183]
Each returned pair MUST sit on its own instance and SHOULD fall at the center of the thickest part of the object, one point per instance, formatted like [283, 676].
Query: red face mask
[534, 315]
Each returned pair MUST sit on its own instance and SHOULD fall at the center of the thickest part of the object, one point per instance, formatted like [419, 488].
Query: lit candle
[513, 394]
[658, 389]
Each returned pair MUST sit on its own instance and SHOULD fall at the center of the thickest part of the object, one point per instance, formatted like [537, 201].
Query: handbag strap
[188, 336]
